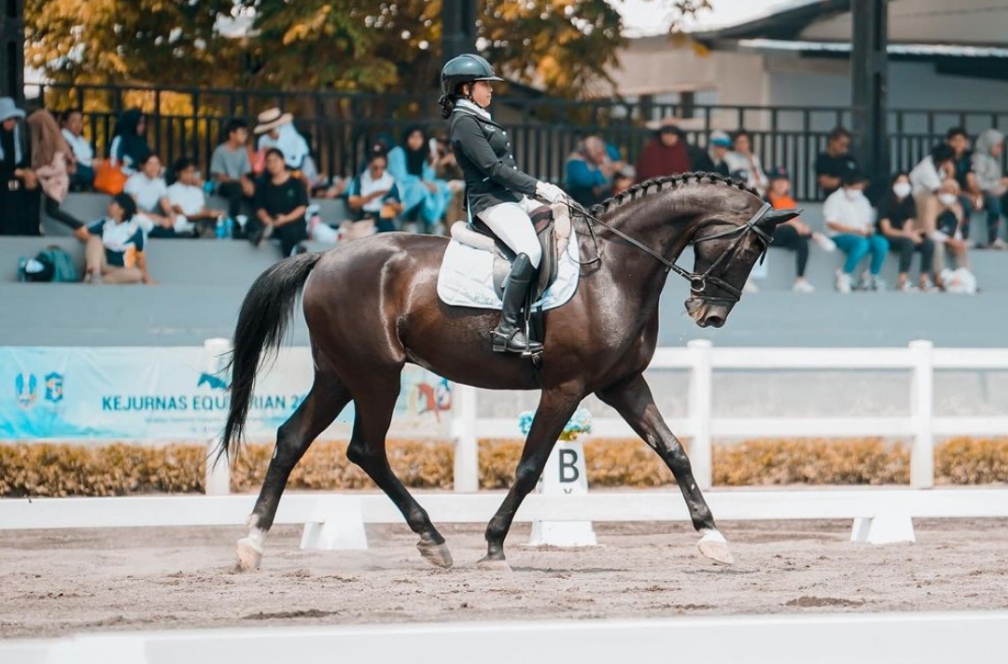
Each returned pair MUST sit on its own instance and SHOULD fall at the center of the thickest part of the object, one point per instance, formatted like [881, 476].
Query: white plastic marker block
[339, 527]
[885, 528]
[565, 475]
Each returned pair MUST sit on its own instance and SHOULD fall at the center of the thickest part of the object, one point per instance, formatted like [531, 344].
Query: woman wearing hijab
[19, 199]
[51, 157]
[129, 146]
[422, 192]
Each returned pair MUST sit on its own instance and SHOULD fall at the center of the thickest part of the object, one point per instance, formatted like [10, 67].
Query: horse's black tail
[262, 325]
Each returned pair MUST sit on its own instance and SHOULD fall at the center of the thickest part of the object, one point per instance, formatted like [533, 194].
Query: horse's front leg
[556, 406]
[632, 399]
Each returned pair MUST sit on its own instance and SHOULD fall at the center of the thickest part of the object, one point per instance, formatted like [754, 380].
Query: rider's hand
[550, 192]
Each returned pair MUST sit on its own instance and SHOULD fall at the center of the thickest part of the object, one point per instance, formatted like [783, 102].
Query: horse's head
[726, 246]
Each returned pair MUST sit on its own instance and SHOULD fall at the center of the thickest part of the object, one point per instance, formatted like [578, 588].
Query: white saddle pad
[466, 278]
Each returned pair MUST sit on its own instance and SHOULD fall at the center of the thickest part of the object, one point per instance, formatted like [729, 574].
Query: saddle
[552, 226]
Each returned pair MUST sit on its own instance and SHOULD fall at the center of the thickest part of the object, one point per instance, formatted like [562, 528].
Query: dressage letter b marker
[568, 466]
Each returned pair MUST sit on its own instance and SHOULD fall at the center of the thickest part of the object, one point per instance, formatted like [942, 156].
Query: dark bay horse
[372, 306]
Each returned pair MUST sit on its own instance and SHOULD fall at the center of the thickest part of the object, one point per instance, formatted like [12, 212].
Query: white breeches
[512, 224]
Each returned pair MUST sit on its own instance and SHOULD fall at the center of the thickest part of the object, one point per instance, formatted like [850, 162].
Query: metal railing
[340, 127]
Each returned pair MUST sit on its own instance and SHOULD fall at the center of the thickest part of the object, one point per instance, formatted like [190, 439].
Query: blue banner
[170, 394]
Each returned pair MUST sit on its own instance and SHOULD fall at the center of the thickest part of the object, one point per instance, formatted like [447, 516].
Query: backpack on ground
[51, 264]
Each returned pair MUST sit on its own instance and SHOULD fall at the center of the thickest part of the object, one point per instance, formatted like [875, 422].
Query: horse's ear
[776, 217]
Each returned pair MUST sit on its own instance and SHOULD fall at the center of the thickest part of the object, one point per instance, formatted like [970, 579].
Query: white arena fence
[700, 358]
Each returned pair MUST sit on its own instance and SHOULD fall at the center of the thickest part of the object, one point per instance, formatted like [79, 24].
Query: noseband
[698, 282]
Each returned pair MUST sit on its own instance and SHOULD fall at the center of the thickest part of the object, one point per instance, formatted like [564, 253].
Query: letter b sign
[568, 466]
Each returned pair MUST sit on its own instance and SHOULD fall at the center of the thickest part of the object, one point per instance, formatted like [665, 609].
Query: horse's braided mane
[667, 182]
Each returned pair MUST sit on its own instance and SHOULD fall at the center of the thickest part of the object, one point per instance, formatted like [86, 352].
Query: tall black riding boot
[509, 335]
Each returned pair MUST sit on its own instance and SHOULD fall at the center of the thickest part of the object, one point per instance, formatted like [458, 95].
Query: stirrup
[502, 343]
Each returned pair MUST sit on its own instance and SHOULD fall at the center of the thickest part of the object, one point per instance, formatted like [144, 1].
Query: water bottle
[220, 229]
[228, 227]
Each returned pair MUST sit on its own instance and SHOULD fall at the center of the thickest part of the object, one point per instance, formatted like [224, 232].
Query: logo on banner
[215, 382]
[54, 387]
[26, 390]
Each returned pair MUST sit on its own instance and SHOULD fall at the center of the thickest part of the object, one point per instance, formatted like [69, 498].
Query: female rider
[498, 193]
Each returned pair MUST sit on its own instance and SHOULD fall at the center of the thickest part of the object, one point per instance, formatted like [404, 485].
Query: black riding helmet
[465, 69]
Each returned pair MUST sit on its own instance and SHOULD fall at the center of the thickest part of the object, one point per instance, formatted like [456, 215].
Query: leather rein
[698, 281]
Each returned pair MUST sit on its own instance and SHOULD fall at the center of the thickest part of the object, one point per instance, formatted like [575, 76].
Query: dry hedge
[49, 469]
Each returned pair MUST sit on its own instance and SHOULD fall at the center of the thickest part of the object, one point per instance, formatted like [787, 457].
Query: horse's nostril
[715, 320]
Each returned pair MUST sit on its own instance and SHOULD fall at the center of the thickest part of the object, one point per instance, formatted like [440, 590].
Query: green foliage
[353, 45]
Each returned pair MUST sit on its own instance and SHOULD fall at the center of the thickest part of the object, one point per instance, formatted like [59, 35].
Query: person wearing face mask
[896, 214]
[949, 232]
[849, 219]
[499, 194]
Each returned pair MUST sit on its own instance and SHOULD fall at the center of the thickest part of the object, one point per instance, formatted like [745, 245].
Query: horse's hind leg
[327, 397]
[374, 401]
[632, 399]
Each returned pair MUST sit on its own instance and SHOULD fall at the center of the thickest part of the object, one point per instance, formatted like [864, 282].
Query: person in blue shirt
[114, 252]
[423, 194]
[590, 170]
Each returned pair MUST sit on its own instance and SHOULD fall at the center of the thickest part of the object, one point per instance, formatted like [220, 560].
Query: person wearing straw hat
[19, 196]
[276, 130]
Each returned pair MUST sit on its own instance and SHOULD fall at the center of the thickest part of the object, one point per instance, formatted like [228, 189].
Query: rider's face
[482, 92]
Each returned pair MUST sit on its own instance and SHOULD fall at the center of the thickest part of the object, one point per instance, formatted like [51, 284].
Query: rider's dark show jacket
[483, 152]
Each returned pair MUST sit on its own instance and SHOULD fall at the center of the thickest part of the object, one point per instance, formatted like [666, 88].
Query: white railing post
[921, 406]
[699, 413]
[217, 480]
[464, 411]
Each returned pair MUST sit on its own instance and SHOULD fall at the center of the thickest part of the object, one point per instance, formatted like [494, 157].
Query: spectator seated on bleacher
[373, 198]
[831, 165]
[187, 199]
[950, 233]
[19, 197]
[51, 156]
[971, 198]
[281, 202]
[114, 246]
[276, 130]
[129, 149]
[896, 222]
[850, 223]
[590, 169]
[154, 211]
[424, 196]
[231, 171]
[84, 159]
[926, 179]
[745, 166]
[993, 185]
[793, 235]
[719, 145]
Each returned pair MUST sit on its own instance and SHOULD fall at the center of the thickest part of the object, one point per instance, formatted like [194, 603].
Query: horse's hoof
[249, 554]
[435, 554]
[713, 545]
[493, 564]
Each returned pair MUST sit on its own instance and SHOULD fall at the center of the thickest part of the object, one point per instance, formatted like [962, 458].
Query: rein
[698, 282]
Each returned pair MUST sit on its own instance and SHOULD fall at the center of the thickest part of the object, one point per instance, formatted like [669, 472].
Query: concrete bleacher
[202, 284]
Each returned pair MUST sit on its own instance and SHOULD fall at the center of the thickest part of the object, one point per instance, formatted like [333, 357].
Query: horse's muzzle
[705, 313]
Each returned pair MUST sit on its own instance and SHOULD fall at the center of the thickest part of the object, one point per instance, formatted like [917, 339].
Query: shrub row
[44, 469]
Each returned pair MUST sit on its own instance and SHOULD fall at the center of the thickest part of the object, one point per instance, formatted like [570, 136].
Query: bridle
[698, 281]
